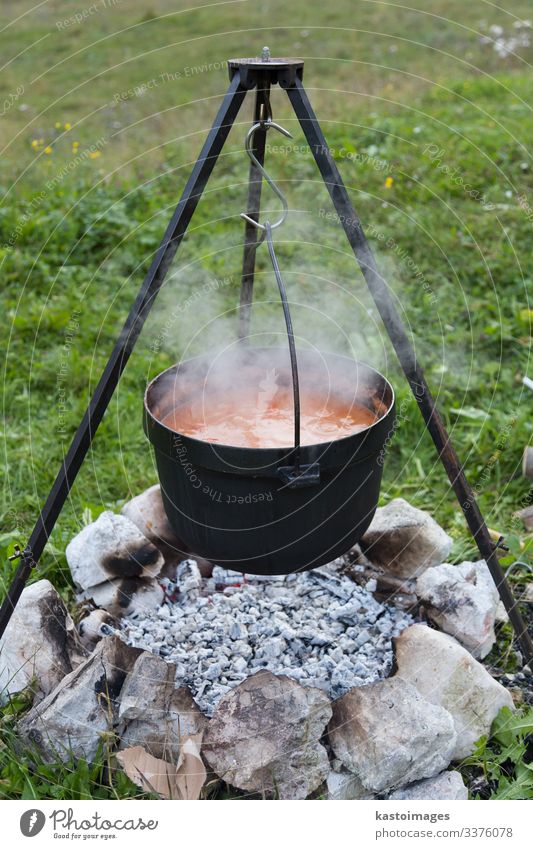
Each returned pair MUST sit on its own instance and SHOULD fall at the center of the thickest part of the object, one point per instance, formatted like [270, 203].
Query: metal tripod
[261, 74]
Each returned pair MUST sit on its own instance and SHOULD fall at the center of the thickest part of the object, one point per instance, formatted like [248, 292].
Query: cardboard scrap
[183, 781]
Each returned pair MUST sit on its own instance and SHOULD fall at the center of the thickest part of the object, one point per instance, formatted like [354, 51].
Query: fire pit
[319, 628]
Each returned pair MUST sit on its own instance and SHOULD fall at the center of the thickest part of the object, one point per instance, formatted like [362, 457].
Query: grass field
[101, 122]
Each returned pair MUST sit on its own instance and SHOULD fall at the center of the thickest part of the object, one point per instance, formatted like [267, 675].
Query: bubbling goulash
[268, 424]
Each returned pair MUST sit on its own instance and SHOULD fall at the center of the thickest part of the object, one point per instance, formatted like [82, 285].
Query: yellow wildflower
[75, 144]
[94, 154]
[57, 125]
[35, 143]
[388, 182]
[67, 126]
[48, 149]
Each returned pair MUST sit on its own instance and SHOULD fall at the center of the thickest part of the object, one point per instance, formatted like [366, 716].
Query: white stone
[82, 710]
[264, 737]
[447, 785]
[389, 736]
[39, 643]
[501, 613]
[127, 597]
[463, 602]
[404, 540]
[147, 512]
[112, 547]
[446, 674]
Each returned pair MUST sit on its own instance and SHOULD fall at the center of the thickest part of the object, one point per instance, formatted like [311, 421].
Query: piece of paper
[190, 771]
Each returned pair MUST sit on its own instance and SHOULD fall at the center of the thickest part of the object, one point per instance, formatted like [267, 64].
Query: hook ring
[266, 125]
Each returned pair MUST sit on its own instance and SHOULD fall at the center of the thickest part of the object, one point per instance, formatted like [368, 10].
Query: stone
[404, 540]
[447, 785]
[127, 596]
[501, 613]
[264, 737]
[93, 627]
[81, 712]
[462, 601]
[153, 713]
[527, 517]
[388, 735]
[189, 579]
[446, 674]
[147, 512]
[40, 645]
[111, 548]
[344, 785]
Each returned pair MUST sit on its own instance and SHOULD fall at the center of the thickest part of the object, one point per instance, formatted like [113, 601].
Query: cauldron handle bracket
[297, 477]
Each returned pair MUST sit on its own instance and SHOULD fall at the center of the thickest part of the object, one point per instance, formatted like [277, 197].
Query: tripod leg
[406, 355]
[254, 198]
[125, 343]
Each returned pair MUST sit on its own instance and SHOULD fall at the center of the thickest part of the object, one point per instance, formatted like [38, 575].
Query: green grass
[500, 765]
[24, 774]
[76, 234]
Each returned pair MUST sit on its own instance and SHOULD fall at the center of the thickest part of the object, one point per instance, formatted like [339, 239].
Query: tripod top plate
[256, 71]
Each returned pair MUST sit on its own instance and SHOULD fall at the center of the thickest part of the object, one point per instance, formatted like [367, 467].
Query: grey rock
[526, 514]
[189, 579]
[40, 644]
[148, 687]
[264, 737]
[462, 601]
[153, 713]
[363, 637]
[82, 710]
[344, 785]
[446, 674]
[447, 785]
[388, 735]
[111, 548]
[405, 541]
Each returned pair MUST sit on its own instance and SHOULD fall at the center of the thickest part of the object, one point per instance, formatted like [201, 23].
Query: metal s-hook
[265, 125]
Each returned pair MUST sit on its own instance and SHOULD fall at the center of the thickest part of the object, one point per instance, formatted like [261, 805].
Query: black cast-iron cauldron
[238, 506]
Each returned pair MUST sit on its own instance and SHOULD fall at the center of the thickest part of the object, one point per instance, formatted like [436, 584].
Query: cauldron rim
[272, 453]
